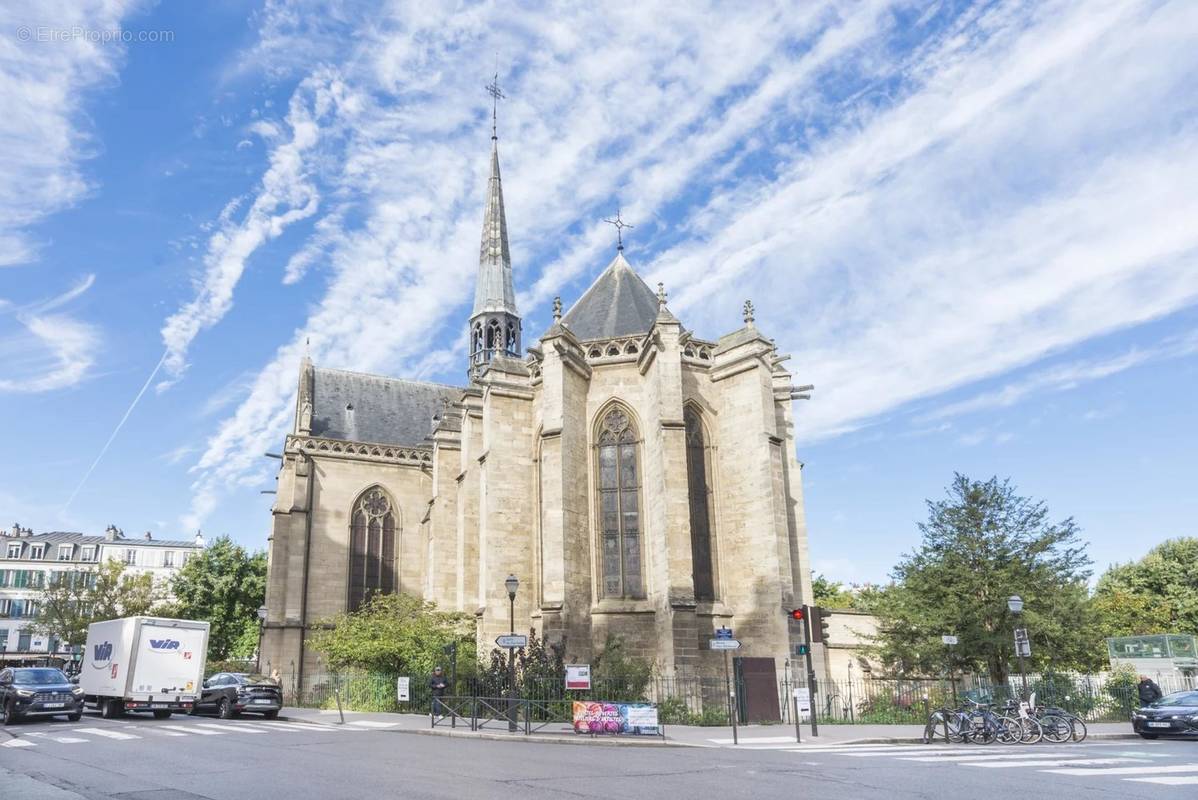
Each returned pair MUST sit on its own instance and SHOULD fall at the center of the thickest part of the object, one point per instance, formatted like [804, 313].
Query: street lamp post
[1015, 606]
[511, 584]
[261, 624]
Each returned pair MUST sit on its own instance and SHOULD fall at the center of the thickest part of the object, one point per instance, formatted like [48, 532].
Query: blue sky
[972, 225]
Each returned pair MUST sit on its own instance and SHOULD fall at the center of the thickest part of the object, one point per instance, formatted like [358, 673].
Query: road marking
[242, 726]
[158, 729]
[222, 728]
[299, 726]
[18, 743]
[59, 739]
[369, 723]
[1155, 768]
[759, 740]
[1169, 780]
[192, 728]
[950, 759]
[106, 734]
[1061, 762]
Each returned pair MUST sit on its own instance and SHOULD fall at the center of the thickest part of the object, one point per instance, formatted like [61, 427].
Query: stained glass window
[371, 548]
[619, 507]
[699, 495]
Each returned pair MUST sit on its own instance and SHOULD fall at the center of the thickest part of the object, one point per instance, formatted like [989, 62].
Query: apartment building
[29, 561]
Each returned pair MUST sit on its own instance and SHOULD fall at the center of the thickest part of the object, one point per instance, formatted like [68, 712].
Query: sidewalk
[769, 736]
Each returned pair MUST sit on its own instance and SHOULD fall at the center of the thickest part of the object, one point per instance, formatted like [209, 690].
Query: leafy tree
[830, 594]
[615, 667]
[72, 601]
[1157, 594]
[981, 544]
[397, 634]
[224, 585]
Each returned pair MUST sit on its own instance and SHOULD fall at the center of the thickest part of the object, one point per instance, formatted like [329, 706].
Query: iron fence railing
[699, 700]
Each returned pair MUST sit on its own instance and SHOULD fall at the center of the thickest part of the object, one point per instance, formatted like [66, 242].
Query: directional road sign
[513, 640]
[724, 644]
[949, 639]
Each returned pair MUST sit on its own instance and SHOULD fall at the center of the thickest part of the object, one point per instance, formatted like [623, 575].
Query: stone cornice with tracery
[337, 448]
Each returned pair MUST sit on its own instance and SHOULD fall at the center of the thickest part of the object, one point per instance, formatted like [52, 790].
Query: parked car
[230, 693]
[1174, 714]
[38, 692]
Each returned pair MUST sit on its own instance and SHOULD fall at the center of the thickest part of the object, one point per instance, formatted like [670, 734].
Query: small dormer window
[89, 553]
[14, 550]
[65, 551]
[37, 551]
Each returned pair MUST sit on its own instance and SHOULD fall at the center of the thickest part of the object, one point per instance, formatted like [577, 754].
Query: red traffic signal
[796, 614]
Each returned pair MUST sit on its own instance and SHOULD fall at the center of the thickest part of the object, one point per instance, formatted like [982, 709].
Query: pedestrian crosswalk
[131, 729]
[1110, 761]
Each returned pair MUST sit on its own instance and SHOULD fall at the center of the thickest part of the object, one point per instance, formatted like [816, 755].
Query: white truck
[143, 664]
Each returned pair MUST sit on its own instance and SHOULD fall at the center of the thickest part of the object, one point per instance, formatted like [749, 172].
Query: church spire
[495, 322]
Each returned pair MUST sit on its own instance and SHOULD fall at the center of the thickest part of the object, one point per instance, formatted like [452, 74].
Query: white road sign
[949, 639]
[512, 640]
[402, 689]
[724, 644]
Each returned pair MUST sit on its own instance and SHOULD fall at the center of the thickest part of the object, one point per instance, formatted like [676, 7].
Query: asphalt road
[195, 757]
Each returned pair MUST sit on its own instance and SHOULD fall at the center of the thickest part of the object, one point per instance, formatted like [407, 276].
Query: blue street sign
[723, 633]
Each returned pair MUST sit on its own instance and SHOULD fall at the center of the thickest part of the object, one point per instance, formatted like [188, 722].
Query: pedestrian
[436, 685]
[1148, 690]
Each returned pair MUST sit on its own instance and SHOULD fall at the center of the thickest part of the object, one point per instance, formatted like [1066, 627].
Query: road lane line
[369, 723]
[1061, 762]
[18, 743]
[191, 729]
[226, 728]
[107, 734]
[1155, 769]
[300, 726]
[1169, 780]
[950, 759]
[59, 739]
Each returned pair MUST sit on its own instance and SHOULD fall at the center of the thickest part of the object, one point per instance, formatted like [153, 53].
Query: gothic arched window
[698, 472]
[619, 506]
[371, 548]
[477, 339]
[494, 336]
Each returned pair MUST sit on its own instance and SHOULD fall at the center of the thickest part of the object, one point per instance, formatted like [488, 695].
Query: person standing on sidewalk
[436, 685]
[1148, 690]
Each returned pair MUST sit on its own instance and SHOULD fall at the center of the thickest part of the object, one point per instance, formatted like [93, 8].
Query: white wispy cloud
[51, 350]
[44, 131]
[1063, 377]
[908, 217]
[286, 195]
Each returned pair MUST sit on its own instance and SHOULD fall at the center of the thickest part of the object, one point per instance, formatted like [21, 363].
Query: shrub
[675, 711]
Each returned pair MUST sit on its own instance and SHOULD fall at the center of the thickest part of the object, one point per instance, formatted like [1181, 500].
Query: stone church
[637, 478]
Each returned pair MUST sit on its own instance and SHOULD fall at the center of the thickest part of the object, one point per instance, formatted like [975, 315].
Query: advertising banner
[615, 718]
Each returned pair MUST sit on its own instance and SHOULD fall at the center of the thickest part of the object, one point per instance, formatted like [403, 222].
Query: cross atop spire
[620, 226]
[496, 95]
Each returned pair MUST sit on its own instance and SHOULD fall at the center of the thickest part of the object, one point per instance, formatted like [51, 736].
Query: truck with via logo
[143, 664]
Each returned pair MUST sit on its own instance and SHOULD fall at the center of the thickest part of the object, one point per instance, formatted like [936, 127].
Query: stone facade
[502, 476]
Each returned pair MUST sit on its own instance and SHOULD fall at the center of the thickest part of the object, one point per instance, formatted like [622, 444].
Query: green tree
[1157, 594]
[224, 585]
[830, 594]
[395, 633]
[981, 544]
[71, 601]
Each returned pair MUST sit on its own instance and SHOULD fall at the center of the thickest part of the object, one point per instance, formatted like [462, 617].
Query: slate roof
[618, 303]
[356, 407]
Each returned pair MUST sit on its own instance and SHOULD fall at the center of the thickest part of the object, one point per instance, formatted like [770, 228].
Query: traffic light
[796, 614]
[819, 624]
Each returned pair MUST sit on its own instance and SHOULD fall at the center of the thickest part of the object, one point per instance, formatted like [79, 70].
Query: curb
[509, 737]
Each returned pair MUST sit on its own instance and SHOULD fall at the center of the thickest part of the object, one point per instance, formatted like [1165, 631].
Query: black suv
[38, 692]
[230, 693]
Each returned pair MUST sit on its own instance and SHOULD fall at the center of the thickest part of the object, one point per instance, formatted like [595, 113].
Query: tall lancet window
[371, 547]
[619, 506]
[698, 472]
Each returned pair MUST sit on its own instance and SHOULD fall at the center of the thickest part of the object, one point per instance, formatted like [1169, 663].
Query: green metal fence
[699, 700]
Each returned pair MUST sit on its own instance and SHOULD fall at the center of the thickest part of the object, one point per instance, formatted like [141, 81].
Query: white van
[143, 664]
